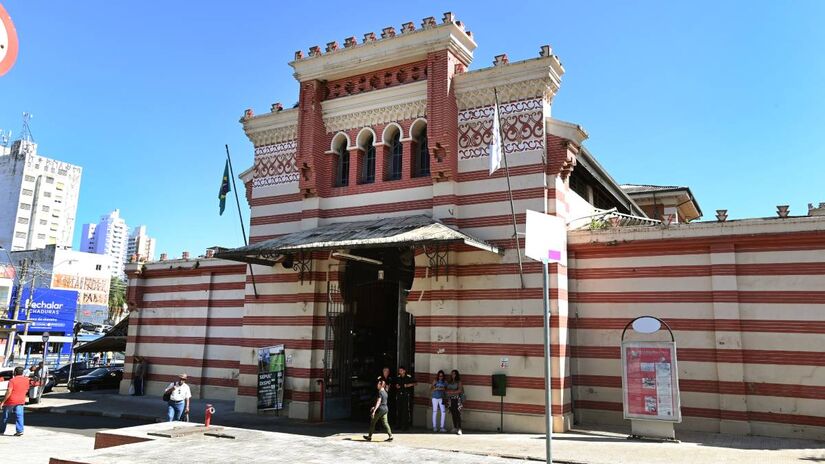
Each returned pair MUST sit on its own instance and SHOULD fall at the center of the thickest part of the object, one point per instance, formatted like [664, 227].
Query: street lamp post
[45, 346]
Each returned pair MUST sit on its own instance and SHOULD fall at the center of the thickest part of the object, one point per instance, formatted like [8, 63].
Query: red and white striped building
[395, 129]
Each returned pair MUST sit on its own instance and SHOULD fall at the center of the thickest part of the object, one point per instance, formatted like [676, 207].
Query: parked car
[99, 379]
[6, 373]
[61, 375]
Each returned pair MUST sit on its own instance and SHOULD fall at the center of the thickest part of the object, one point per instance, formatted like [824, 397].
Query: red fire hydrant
[208, 415]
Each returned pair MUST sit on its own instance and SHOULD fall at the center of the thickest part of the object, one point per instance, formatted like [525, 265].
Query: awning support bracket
[302, 262]
[439, 257]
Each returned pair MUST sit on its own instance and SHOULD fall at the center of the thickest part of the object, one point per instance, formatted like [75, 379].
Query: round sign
[8, 42]
[647, 325]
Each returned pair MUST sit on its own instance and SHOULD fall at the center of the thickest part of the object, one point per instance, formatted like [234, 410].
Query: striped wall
[187, 317]
[746, 302]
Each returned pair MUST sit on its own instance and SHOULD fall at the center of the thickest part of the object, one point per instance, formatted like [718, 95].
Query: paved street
[73, 418]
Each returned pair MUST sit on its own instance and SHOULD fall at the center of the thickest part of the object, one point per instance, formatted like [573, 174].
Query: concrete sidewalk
[579, 446]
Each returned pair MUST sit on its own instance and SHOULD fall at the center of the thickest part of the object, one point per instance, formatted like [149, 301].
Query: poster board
[271, 373]
[650, 381]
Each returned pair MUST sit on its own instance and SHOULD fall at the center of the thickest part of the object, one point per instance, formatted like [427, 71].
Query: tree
[117, 298]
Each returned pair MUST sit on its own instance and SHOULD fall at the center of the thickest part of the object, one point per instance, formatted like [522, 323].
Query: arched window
[342, 164]
[396, 154]
[368, 166]
[421, 154]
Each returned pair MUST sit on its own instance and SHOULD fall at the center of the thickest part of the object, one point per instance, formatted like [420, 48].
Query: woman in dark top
[455, 395]
[379, 412]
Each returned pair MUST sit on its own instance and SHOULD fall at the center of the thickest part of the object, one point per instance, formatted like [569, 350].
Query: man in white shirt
[179, 395]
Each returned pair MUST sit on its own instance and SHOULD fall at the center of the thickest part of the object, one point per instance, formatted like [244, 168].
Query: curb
[92, 413]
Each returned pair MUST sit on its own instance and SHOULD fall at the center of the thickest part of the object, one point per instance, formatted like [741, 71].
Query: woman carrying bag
[438, 389]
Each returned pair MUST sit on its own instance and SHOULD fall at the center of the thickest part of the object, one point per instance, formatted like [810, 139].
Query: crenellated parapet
[392, 47]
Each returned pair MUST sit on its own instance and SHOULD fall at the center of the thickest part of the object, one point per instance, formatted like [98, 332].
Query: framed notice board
[650, 381]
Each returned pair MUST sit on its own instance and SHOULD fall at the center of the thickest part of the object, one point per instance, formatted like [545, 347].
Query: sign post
[546, 241]
[650, 381]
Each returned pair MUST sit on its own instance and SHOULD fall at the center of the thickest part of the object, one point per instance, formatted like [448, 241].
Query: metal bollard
[208, 414]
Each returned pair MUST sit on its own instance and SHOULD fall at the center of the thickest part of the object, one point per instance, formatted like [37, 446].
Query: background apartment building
[38, 198]
[110, 237]
[140, 244]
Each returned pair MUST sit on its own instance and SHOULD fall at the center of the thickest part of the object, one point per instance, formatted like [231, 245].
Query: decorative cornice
[271, 128]
[535, 78]
[409, 101]
[392, 113]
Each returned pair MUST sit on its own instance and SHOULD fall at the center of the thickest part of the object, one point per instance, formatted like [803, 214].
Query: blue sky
[725, 97]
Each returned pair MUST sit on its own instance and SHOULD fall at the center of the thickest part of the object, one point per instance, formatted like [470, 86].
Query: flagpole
[240, 217]
[510, 192]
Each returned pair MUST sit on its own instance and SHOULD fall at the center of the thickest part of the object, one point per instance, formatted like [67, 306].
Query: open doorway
[368, 328]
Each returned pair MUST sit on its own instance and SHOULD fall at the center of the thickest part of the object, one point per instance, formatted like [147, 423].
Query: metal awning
[113, 340]
[397, 231]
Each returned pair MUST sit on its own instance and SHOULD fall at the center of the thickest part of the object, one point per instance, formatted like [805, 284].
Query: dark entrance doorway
[368, 328]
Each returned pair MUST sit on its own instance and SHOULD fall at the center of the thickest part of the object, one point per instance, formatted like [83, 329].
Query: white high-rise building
[38, 198]
[110, 237]
[140, 245]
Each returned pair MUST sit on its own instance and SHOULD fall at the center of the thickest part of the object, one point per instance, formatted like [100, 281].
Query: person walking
[389, 386]
[379, 411]
[455, 395]
[178, 398]
[438, 389]
[405, 384]
[14, 401]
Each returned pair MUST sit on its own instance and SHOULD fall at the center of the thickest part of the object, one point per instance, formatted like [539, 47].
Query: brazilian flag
[225, 189]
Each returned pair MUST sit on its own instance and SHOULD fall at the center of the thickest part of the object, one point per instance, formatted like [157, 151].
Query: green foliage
[598, 224]
[117, 298]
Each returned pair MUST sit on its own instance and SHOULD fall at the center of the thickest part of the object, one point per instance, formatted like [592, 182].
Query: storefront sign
[50, 310]
[650, 381]
[271, 372]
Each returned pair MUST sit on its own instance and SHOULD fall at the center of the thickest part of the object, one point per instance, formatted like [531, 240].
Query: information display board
[271, 372]
[650, 382]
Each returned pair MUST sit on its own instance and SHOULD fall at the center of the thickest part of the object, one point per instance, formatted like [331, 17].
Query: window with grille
[342, 166]
[396, 155]
[368, 168]
[422, 155]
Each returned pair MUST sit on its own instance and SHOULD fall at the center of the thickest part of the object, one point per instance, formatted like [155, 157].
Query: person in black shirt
[405, 387]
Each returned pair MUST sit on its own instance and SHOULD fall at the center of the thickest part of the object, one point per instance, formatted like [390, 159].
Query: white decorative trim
[522, 123]
[370, 108]
[270, 128]
[275, 164]
[523, 80]
[377, 116]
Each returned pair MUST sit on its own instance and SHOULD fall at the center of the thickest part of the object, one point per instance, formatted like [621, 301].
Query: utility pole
[24, 269]
[22, 350]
